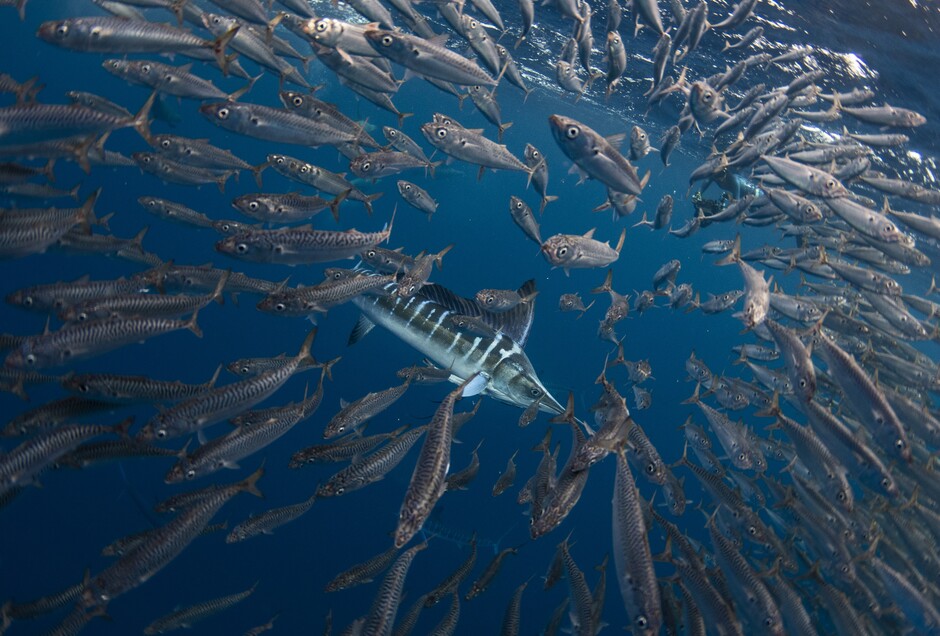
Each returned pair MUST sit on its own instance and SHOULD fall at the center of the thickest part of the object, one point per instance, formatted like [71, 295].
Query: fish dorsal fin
[363, 326]
[590, 233]
[616, 140]
[515, 323]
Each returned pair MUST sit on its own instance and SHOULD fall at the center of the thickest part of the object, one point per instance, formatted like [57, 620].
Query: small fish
[187, 616]
[266, 522]
[570, 251]
[299, 246]
[573, 302]
[417, 197]
[596, 156]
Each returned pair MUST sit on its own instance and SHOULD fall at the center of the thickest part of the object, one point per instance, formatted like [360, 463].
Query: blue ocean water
[52, 534]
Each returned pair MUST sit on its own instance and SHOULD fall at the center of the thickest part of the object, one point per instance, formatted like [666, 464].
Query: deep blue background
[51, 535]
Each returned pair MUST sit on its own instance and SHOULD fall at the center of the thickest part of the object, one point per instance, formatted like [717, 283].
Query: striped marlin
[504, 371]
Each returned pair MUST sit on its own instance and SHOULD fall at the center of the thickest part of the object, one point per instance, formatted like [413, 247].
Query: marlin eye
[572, 132]
[535, 392]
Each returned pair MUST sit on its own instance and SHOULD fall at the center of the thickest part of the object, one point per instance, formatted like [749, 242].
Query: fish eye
[244, 370]
[145, 68]
[30, 359]
[751, 530]
[298, 101]
[407, 186]
[561, 251]
[366, 166]
[370, 254]
[387, 40]
[768, 621]
[840, 496]
[83, 387]
[572, 132]
[304, 169]
[651, 468]
[441, 133]
[535, 392]
[165, 143]
[241, 248]
[253, 205]
[223, 113]
[216, 20]
[190, 474]
[62, 30]
[161, 433]
[341, 429]
[641, 622]
[280, 307]
[473, 24]
[899, 444]
[28, 301]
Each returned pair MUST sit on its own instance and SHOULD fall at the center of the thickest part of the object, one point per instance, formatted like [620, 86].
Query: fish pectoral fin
[476, 386]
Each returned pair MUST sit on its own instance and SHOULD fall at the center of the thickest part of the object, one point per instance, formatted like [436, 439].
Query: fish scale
[22, 464]
[92, 338]
[373, 467]
[299, 246]
[455, 578]
[428, 480]
[162, 545]
[267, 521]
[223, 402]
[381, 617]
[632, 558]
[189, 615]
[363, 572]
[352, 415]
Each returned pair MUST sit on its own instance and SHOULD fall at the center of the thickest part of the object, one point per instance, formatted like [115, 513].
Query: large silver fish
[505, 371]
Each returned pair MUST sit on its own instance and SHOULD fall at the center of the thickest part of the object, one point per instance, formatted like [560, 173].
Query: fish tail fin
[643, 221]
[438, 260]
[220, 287]
[568, 415]
[334, 204]
[734, 256]
[304, 355]
[249, 484]
[234, 97]
[327, 368]
[623, 235]
[402, 116]
[86, 215]
[694, 398]
[369, 200]
[608, 283]
[141, 121]
[548, 198]
[773, 410]
[192, 325]
[220, 44]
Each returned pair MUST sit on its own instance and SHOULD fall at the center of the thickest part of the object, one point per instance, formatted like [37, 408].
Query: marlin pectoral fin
[476, 386]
